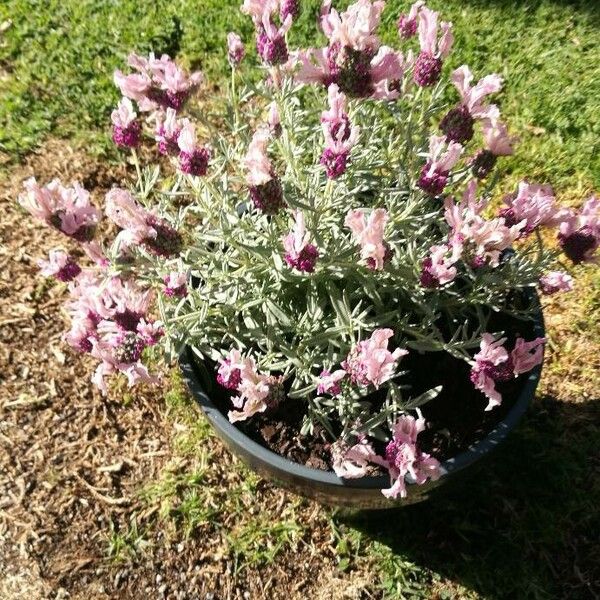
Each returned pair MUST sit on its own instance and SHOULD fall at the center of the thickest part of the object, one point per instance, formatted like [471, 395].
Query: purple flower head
[60, 265]
[388, 253]
[330, 383]
[305, 260]
[270, 41]
[427, 69]
[580, 244]
[126, 128]
[334, 162]
[289, 8]
[407, 24]
[579, 233]
[193, 158]
[442, 157]
[264, 186]
[534, 206]
[229, 374]
[268, 197]
[300, 254]
[353, 69]
[167, 132]
[129, 348]
[175, 285]
[235, 49]
[483, 163]
[140, 226]
[431, 181]
[457, 125]
[166, 242]
[257, 392]
[194, 163]
[472, 96]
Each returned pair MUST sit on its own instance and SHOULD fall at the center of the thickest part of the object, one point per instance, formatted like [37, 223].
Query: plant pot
[364, 493]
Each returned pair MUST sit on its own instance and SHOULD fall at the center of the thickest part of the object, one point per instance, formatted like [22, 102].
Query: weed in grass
[259, 540]
[123, 546]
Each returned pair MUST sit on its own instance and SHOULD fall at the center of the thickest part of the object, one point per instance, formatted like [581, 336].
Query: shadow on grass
[527, 526]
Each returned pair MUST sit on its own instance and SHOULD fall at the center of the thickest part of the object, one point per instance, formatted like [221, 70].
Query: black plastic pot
[326, 486]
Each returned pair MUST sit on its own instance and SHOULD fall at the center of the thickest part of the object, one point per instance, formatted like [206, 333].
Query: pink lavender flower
[168, 128]
[353, 59]
[498, 143]
[428, 66]
[257, 392]
[556, 281]
[108, 320]
[158, 82]
[257, 9]
[176, 284]
[59, 265]
[193, 158]
[265, 188]
[407, 24]
[535, 205]
[235, 49]
[330, 383]
[472, 96]
[359, 74]
[150, 331]
[340, 134]
[475, 238]
[579, 234]
[403, 457]
[289, 8]
[126, 127]
[300, 254]
[441, 158]
[273, 120]
[67, 209]
[352, 462]
[122, 353]
[370, 361]
[229, 373]
[493, 364]
[438, 268]
[270, 40]
[368, 234]
[354, 28]
[140, 226]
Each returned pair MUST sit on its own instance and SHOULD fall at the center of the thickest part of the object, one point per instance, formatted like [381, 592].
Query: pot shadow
[526, 525]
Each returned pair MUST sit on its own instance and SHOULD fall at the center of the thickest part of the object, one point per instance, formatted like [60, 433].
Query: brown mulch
[72, 463]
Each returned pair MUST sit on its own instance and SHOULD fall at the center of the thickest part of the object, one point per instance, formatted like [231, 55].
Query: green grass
[57, 59]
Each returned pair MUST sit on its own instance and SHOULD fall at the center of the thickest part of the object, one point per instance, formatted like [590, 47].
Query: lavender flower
[235, 49]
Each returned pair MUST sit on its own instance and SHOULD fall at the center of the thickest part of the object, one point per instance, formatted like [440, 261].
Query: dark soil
[456, 418]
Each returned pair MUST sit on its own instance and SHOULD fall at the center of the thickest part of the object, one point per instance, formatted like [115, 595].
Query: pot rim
[329, 478]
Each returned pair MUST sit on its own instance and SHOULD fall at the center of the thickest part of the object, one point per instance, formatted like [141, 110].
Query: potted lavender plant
[348, 306]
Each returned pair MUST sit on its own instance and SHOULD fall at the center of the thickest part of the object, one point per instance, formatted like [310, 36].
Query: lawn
[196, 521]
